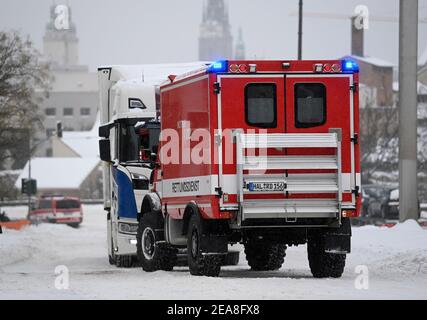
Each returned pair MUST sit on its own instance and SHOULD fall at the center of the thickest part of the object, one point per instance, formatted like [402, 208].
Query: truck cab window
[136, 138]
[310, 104]
[260, 105]
[128, 143]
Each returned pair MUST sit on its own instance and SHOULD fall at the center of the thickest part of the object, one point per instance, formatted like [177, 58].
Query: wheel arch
[151, 202]
[190, 209]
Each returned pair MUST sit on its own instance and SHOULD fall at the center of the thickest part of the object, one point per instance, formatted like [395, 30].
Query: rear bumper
[289, 209]
[63, 218]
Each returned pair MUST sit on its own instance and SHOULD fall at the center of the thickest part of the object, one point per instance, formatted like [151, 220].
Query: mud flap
[338, 240]
[214, 244]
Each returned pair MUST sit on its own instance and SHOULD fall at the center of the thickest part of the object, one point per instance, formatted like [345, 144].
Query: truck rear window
[310, 104]
[260, 105]
[67, 204]
[45, 204]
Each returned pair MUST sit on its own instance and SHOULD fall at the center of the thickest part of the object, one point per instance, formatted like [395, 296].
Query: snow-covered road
[396, 260]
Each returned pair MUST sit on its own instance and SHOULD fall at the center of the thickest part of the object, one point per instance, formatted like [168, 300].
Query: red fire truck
[263, 153]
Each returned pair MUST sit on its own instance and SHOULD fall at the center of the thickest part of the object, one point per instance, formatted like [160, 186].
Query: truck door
[252, 104]
[318, 103]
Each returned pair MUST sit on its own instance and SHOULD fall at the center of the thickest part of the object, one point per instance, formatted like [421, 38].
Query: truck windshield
[136, 139]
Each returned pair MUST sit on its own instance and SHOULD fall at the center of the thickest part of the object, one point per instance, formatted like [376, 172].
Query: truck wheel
[153, 255]
[324, 264]
[124, 261]
[264, 256]
[199, 264]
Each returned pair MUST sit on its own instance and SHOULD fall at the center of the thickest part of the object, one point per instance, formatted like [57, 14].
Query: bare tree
[22, 75]
[24, 83]
[379, 137]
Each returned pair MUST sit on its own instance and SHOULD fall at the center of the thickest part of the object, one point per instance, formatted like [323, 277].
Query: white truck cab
[129, 132]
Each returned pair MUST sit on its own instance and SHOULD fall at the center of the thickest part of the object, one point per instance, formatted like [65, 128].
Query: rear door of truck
[288, 103]
[321, 103]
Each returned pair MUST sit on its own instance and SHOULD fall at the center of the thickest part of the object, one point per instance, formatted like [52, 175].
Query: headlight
[128, 228]
[140, 182]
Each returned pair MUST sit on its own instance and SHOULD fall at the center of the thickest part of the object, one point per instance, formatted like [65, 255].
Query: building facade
[73, 98]
[216, 40]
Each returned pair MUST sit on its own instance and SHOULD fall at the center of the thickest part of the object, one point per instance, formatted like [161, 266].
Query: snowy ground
[395, 258]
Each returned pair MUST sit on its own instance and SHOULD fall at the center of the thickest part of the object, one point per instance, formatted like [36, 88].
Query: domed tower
[215, 41]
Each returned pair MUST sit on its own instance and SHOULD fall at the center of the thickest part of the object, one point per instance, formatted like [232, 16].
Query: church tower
[60, 42]
[215, 41]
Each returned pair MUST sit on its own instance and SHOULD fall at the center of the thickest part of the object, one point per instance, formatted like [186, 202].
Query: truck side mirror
[104, 131]
[104, 150]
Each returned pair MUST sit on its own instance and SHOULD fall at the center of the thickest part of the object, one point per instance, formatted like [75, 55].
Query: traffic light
[29, 186]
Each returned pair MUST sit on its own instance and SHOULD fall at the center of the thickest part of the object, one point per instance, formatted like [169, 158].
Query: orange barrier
[15, 224]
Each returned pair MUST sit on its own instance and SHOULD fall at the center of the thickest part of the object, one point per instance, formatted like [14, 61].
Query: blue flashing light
[218, 66]
[349, 66]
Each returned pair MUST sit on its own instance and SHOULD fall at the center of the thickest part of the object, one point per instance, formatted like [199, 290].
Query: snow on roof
[374, 61]
[154, 73]
[59, 173]
[84, 143]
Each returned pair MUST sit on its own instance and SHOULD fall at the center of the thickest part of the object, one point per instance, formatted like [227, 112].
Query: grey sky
[154, 31]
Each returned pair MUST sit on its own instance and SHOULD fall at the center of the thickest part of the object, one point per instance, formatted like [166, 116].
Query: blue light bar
[349, 66]
[218, 66]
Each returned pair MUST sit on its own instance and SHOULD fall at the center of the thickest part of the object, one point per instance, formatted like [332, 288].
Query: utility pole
[29, 173]
[408, 38]
[300, 30]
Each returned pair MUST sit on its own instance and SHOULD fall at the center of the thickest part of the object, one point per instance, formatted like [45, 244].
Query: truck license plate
[266, 186]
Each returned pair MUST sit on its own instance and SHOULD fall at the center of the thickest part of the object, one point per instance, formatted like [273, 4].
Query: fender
[151, 202]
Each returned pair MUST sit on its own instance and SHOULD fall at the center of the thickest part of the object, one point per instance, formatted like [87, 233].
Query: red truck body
[216, 103]
[263, 153]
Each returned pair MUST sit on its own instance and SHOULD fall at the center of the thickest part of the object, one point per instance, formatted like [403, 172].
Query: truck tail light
[241, 68]
[252, 68]
[326, 68]
[318, 67]
[349, 213]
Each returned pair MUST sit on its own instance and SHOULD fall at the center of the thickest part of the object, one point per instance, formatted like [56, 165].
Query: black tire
[74, 225]
[323, 264]
[264, 256]
[124, 261]
[153, 255]
[199, 264]
[231, 259]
